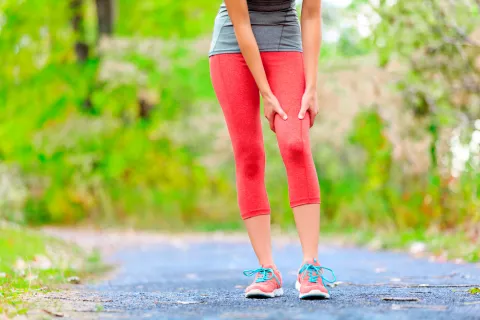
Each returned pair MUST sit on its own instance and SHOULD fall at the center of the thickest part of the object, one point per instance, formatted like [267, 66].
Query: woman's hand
[311, 25]
[238, 12]
[310, 104]
[271, 106]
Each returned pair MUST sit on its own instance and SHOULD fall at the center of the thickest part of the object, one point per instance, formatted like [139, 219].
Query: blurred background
[108, 118]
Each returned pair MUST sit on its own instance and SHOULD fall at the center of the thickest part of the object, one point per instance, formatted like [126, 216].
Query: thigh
[286, 77]
[238, 96]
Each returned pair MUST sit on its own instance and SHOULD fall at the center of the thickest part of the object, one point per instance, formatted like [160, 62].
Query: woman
[257, 50]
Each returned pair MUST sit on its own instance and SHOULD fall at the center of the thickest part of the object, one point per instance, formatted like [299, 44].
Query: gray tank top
[274, 23]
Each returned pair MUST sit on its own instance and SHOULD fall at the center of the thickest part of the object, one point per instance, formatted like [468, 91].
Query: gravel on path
[200, 277]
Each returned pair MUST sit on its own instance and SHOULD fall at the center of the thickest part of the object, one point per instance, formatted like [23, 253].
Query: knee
[294, 150]
[251, 161]
[251, 168]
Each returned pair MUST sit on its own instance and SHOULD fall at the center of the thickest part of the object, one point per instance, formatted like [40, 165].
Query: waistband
[266, 8]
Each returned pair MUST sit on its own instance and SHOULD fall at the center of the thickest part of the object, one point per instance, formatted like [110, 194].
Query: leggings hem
[255, 213]
[305, 201]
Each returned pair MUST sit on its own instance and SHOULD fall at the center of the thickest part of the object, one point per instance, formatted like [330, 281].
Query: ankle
[268, 263]
[309, 259]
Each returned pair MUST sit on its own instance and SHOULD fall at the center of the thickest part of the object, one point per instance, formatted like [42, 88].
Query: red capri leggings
[239, 98]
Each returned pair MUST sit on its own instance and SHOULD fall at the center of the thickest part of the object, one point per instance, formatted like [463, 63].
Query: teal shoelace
[265, 274]
[314, 272]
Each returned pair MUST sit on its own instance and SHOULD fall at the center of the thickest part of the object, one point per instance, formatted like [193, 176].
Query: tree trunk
[81, 47]
[82, 50]
[105, 16]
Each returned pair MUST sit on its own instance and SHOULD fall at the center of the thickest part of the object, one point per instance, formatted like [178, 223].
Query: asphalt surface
[204, 280]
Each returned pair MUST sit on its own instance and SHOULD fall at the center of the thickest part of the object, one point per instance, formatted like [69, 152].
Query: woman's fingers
[271, 109]
[271, 119]
[310, 105]
[281, 113]
[313, 115]
[313, 112]
[303, 110]
[270, 116]
[272, 124]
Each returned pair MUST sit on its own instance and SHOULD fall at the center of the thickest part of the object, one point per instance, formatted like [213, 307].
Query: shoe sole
[259, 294]
[314, 294]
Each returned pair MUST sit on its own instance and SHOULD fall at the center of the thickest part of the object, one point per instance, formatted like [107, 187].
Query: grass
[33, 262]
[439, 243]
[445, 245]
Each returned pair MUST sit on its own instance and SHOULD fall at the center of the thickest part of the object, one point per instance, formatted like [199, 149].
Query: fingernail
[285, 118]
[300, 117]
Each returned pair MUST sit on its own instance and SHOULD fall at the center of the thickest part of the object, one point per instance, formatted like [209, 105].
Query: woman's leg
[259, 233]
[239, 98]
[286, 77]
[307, 220]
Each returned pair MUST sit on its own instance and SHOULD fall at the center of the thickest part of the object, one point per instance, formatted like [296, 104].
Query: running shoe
[311, 282]
[267, 283]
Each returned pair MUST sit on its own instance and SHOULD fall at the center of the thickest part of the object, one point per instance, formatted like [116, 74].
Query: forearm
[249, 48]
[238, 12]
[311, 23]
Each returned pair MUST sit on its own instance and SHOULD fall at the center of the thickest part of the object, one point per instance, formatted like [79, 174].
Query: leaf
[333, 285]
[475, 290]
[53, 314]
[73, 280]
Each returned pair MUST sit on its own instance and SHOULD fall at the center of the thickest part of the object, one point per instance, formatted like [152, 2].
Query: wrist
[266, 93]
[311, 88]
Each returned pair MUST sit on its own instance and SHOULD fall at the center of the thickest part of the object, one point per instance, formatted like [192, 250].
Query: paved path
[191, 279]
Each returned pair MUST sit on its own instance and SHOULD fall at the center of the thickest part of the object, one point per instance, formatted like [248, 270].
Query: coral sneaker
[311, 282]
[267, 283]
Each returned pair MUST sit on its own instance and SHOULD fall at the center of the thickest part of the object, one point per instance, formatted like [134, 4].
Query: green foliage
[106, 137]
[368, 186]
[441, 87]
[350, 44]
[166, 18]
[445, 244]
[339, 21]
[368, 134]
[30, 261]
[94, 149]
[439, 78]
